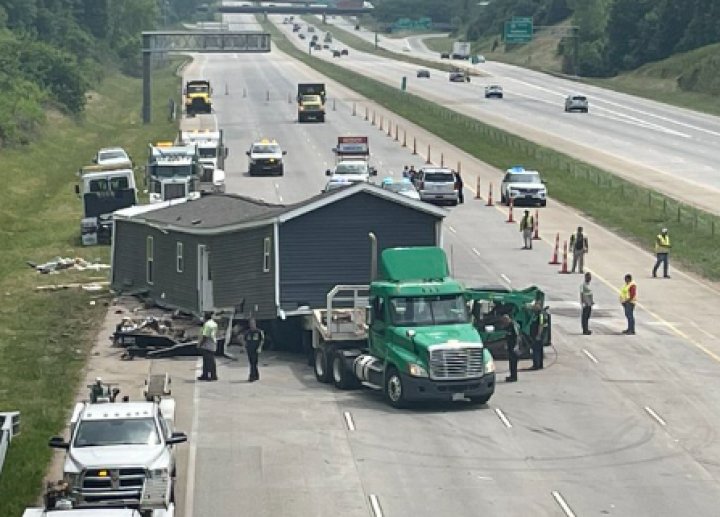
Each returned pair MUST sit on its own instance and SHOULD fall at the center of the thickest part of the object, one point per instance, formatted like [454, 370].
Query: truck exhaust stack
[373, 256]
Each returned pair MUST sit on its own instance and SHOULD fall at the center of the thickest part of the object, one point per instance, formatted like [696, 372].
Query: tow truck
[173, 172]
[104, 189]
[122, 452]
[211, 155]
[408, 333]
[198, 97]
[352, 160]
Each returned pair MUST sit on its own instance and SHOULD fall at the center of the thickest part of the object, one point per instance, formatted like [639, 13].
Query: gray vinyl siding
[169, 288]
[330, 245]
[236, 264]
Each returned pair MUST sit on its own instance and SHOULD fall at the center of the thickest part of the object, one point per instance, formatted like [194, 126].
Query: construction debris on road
[59, 263]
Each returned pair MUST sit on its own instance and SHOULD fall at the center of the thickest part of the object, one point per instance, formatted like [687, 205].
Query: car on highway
[523, 187]
[311, 28]
[301, 35]
[317, 46]
[344, 52]
[326, 46]
[296, 27]
[351, 170]
[336, 53]
[576, 102]
[436, 185]
[403, 187]
[336, 183]
[265, 157]
[424, 73]
[459, 76]
[494, 91]
[111, 156]
[445, 55]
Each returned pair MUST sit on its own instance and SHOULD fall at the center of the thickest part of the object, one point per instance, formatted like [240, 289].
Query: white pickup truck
[122, 452]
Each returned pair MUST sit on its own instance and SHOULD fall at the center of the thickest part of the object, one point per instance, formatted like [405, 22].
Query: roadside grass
[45, 336]
[357, 43]
[632, 211]
[439, 44]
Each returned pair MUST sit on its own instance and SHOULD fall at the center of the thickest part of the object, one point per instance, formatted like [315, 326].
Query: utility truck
[198, 97]
[311, 102]
[408, 333]
[173, 172]
[122, 453]
[461, 50]
[211, 155]
[104, 189]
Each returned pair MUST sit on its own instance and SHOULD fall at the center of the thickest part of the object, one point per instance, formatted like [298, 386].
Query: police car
[523, 186]
[265, 157]
[403, 187]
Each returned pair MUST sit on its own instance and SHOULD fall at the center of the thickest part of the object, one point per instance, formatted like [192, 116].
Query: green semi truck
[408, 334]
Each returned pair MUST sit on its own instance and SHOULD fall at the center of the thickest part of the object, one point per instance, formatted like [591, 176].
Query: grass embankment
[688, 80]
[632, 211]
[357, 43]
[45, 336]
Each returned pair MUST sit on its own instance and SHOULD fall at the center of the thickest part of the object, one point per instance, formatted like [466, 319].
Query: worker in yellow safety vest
[628, 299]
[662, 252]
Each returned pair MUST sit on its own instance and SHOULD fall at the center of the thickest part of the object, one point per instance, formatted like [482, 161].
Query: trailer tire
[341, 377]
[394, 389]
[321, 366]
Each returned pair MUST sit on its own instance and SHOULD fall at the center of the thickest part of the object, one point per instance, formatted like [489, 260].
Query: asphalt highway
[614, 425]
[669, 149]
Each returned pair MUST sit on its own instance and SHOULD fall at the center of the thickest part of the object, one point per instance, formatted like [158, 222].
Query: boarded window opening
[266, 255]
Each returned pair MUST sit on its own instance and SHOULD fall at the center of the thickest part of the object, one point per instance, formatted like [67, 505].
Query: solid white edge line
[657, 417]
[503, 418]
[563, 505]
[505, 277]
[476, 252]
[375, 505]
[349, 421]
[192, 452]
[452, 229]
[590, 356]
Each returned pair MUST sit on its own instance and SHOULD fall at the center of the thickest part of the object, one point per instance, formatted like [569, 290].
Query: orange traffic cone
[510, 212]
[477, 189]
[564, 266]
[555, 260]
[536, 236]
[489, 201]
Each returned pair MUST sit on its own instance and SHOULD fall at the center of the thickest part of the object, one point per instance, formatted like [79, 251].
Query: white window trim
[150, 259]
[179, 257]
[267, 251]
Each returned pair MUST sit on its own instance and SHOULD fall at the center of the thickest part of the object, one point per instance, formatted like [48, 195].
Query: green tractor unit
[408, 334]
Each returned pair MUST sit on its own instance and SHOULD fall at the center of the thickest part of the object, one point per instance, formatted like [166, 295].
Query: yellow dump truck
[198, 97]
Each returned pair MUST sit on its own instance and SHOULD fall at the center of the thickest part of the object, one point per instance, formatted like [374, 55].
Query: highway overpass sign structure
[155, 42]
[329, 7]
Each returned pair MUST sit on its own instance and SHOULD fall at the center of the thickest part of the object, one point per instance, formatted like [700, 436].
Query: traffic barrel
[428, 161]
[556, 251]
[477, 188]
[536, 235]
[564, 266]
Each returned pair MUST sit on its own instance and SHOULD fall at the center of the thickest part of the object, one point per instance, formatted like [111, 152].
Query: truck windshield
[523, 178]
[266, 149]
[311, 99]
[133, 431]
[171, 171]
[197, 88]
[108, 184]
[419, 311]
[351, 168]
[207, 152]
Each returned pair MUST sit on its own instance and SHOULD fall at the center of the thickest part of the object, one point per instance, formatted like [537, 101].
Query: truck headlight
[489, 364]
[416, 370]
[72, 479]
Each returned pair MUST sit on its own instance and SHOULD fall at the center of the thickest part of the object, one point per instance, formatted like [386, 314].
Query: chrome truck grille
[174, 191]
[100, 485]
[455, 362]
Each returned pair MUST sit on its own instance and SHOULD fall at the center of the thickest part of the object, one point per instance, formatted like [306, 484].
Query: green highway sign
[518, 30]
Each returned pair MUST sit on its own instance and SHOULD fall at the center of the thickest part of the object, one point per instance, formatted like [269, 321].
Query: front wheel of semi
[322, 372]
[395, 389]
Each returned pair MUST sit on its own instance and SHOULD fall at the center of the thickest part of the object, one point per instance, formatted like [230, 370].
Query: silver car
[576, 102]
[436, 185]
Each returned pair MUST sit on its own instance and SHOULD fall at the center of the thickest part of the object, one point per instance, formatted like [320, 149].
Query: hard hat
[664, 230]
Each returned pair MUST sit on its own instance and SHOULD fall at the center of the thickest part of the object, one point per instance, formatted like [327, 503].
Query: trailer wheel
[342, 378]
[322, 368]
[394, 389]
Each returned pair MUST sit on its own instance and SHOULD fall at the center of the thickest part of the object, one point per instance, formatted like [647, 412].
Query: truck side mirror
[247, 152]
[227, 151]
[77, 189]
[58, 442]
[373, 171]
[328, 173]
[176, 438]
[284, 153]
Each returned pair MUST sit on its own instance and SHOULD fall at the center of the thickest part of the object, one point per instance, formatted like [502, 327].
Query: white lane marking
[590, 356]
[192, 453]
[452, 229]
[657, 417]
[476, 252]
[349, 421]
[505, 277]
[503, 418]
[563, 505]
[375, 505]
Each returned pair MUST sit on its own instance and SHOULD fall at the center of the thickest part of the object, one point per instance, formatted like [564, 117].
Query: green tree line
[53, 51]
[613, 35]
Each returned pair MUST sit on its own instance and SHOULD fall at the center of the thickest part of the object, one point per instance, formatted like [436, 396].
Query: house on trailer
[235, 254]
